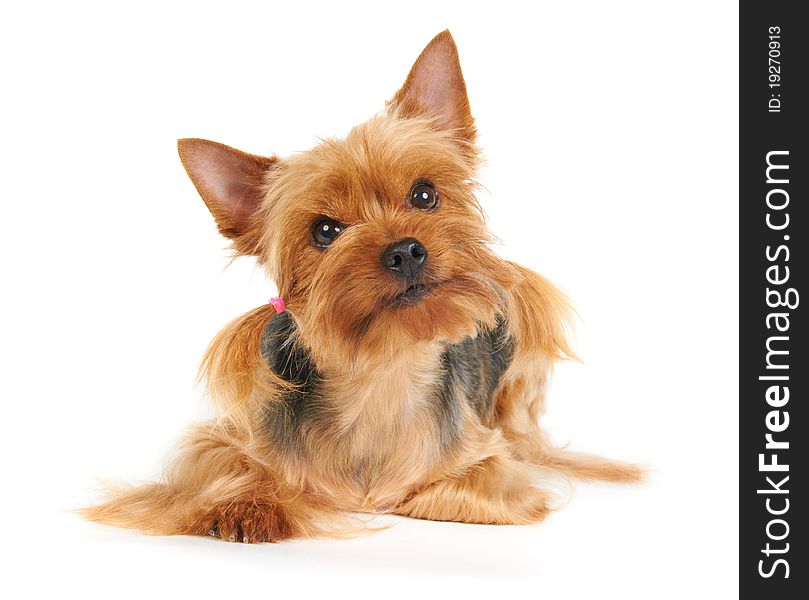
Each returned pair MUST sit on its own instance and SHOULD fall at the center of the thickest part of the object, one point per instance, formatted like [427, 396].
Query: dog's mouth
[412, 295]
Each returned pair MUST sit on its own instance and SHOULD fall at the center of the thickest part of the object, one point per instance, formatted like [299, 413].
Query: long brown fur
[359, 404]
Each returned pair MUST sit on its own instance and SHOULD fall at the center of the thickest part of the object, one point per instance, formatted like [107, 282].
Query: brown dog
[407, 374]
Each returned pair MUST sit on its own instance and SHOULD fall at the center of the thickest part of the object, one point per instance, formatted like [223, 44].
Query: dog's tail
[590, 467]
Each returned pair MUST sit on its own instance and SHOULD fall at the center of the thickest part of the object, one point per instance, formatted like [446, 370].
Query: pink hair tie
[278, 304]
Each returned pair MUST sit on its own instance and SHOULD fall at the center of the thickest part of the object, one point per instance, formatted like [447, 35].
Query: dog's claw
[250, 522]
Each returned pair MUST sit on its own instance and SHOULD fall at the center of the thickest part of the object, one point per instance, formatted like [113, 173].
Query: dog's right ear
[232, 184]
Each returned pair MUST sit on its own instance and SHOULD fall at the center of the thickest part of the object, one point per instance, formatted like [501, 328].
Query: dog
[404, 368]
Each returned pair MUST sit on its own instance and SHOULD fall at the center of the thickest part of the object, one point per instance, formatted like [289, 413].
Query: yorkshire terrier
[404, 368]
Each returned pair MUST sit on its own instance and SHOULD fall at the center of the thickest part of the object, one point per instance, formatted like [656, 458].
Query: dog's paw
[250, 522]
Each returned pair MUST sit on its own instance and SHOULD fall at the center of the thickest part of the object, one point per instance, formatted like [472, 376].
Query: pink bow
[278, 304]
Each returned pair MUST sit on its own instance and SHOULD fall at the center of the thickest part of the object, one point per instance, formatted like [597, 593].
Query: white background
[611, 136]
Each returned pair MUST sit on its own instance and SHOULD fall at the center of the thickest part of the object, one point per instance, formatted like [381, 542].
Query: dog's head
[376, 239]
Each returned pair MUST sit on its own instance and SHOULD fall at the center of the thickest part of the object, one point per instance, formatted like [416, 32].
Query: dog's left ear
[435, 88]
[232, 184]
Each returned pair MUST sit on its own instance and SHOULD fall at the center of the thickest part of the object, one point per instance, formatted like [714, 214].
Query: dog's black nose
[405, 258]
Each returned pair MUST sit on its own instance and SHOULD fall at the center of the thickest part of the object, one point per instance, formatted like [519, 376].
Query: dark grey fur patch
[472, 371]
[284, 420]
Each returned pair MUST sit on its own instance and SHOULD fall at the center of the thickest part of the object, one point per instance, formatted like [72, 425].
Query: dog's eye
[423, 195]
[325, 231]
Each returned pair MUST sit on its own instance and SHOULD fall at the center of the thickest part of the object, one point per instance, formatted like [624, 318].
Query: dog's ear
[435, 88]
[232, 184]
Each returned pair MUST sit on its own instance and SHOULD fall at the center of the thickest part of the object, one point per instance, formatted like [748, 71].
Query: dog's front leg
[222, 483]
[496, 490]
[485, 486]
[238, 494]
